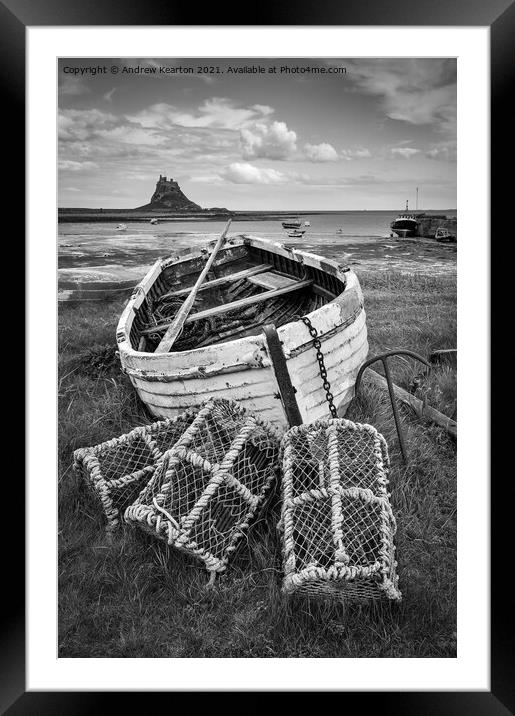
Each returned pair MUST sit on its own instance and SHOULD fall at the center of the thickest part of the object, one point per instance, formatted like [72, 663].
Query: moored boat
[292, 224]
[296, 233]
[121, 227]
[153, 221]
[223, 350]
[406, 224]
[444, 235]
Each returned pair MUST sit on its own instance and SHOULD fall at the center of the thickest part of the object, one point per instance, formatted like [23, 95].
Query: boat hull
[242, 369]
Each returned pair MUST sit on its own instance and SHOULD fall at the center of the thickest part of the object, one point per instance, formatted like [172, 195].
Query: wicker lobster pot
[206, 489]
[118, 469]
[337, 523]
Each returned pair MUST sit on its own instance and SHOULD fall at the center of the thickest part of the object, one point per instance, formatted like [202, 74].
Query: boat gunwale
[329, 315]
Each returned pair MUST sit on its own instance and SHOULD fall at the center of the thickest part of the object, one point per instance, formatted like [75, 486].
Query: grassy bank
[136, 598]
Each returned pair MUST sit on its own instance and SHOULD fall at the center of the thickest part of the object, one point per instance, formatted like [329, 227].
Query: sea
[96, 251]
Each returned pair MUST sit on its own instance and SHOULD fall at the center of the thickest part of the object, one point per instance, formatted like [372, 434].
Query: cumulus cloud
[321, 152]
[404, 152]
[271, 141]
[245, 173]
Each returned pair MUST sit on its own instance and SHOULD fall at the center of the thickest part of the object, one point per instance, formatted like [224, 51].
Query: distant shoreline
[92, 215]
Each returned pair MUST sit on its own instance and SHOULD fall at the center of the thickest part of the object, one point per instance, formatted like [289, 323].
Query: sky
[302, 134]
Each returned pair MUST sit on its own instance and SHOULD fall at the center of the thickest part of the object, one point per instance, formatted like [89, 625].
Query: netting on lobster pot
[118, 469]
[337, 523]
[207, 489]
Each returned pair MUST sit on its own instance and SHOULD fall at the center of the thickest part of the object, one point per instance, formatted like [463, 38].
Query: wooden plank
[180, 318]
[423, 411]
[222, 280]
[235, 305]
[272, 280]
[282, 375]
[323, 292]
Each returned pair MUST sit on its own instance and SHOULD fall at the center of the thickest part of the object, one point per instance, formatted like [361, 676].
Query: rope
[337, 525]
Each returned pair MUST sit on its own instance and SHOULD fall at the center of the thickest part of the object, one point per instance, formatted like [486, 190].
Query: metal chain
[320, 358]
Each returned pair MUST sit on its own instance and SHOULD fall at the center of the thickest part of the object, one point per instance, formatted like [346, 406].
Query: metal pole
[395, 411]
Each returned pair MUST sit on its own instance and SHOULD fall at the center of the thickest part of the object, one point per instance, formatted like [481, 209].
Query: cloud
[109, 95]
[263, 109]
[271, 141]
[77, 124]
[359, 153]
[417, 91]
[321, 152]
[404, 152]
[73, 86]
[73, 166]
[216, 113]
[444, 151]
[244, 173]
[130, 134]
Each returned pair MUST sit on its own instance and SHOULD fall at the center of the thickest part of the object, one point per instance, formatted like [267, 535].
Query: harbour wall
[428, 225]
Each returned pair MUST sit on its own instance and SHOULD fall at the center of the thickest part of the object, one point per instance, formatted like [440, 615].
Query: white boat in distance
[444, 235]
[154, 221]
[223, 350]
[121, 227]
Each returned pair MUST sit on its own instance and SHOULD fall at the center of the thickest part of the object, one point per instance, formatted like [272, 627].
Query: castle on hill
[169, 197]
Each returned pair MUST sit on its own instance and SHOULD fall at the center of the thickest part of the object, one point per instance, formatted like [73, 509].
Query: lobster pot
[337, 523]
[211, 484]
[118, 469]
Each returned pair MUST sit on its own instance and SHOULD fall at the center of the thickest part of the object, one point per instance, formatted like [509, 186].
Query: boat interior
[246, 288]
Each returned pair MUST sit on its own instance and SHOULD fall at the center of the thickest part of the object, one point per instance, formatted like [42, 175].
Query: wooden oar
[175, 328]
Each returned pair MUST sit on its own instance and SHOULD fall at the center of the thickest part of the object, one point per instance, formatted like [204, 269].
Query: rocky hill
[169, 197]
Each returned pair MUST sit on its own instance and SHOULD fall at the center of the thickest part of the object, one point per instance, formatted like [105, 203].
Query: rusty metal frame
[383, 357]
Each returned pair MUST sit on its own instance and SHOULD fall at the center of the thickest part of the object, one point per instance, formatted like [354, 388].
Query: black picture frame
[499, 15]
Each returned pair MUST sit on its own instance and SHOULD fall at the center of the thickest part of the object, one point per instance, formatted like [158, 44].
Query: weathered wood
[323, 292]
[168, 383]
[182, 267]
[423, 411]
[272, 280]
[282, 375]
[233, 306]
[230, 278]
[177, 324]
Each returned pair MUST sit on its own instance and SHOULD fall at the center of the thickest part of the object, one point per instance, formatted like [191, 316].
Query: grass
[137, 598]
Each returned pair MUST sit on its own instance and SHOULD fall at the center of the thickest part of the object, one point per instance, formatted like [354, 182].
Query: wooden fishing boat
[444, 235]
[292, 224]
[223, 350]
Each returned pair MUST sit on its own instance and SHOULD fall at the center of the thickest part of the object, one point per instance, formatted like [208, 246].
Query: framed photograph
[245, 289]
